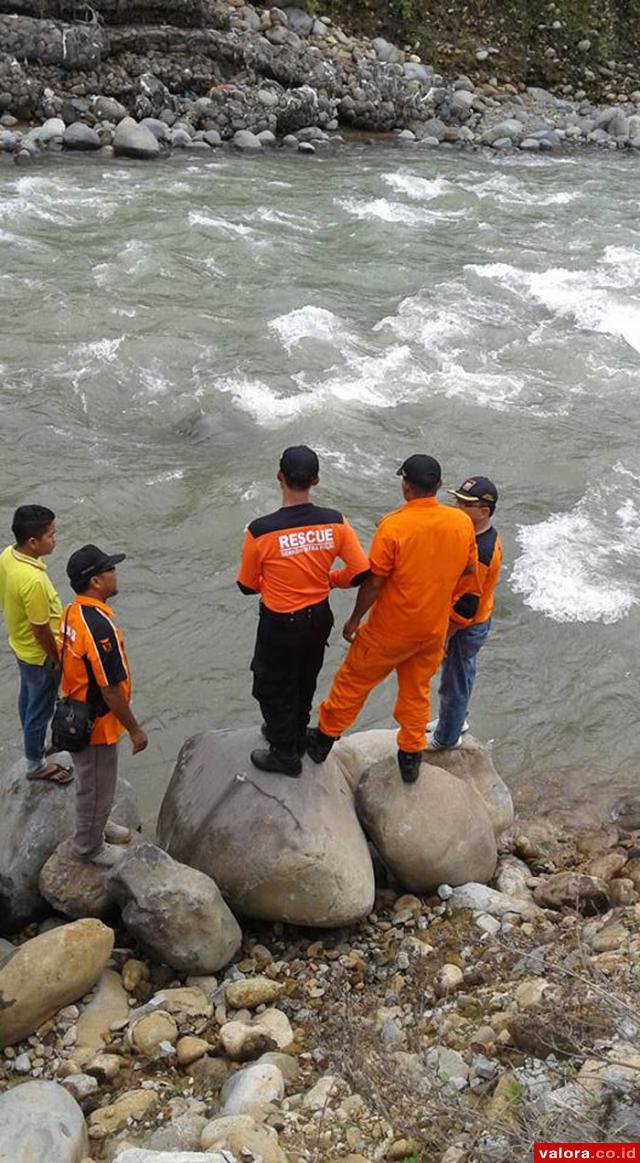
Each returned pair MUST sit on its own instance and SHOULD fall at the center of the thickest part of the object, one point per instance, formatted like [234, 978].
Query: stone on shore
[77, 888]
[108, 109]
[36, 816]
[435, 831]
[40, 1122]
[573, 890]
[253, 992]
[235, 1132]
[483, 899]
[80, 136]
[251, 1088]
[135, 141]
[141, 1155]
[175, 912]
[247, 142]
[49, 972]
[109, 1004]
[280, 849]
[133, 1104]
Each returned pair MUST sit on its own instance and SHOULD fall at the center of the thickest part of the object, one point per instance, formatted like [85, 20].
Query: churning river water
[168, 329]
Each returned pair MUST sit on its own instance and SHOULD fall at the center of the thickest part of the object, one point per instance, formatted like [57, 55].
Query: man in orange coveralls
[422, 557]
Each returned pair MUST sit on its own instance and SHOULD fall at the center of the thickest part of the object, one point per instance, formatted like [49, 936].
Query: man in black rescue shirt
[287, 558]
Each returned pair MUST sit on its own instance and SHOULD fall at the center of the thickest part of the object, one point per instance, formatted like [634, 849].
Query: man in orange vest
[287, 558]
[95, 670]
[422, 556]
[470, 616]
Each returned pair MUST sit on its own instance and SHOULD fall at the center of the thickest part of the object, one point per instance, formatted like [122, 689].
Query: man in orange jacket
[423, 555]
[470, 616]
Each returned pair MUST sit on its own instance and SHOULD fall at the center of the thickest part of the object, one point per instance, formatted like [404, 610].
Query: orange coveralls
[427, 554]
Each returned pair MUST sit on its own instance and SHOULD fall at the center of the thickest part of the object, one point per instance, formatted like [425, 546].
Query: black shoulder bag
[73, 720]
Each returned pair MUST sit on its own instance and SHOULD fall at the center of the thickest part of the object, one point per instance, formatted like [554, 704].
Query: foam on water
[308, 322]
[100, 350]
[593, 298]
[380, 381]
[506, 190]
[420, 189]
[296, 222]
[196, 218]
[570, 565]
[384, 210]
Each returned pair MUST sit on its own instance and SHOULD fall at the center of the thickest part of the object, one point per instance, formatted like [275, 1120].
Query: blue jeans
[38, 686]
[456, 680]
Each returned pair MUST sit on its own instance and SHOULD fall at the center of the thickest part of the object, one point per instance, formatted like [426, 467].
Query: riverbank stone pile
[231, 73]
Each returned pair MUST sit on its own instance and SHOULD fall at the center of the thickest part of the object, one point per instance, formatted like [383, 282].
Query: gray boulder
[280, 849]
[180, 139]
[133, 140]
[417, 72]
[52, 128]
[435, 831]
[158, 128]
[108, 109]
[8, 140]
[299, 21]
[175, 912]
[80, 136]
[41, 1123]
[212, 138]
[76, 888]
[36, 817]
[387, 52]
[511, 130]
[246, 142]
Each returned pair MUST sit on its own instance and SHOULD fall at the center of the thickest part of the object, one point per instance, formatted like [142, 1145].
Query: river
[167, 329]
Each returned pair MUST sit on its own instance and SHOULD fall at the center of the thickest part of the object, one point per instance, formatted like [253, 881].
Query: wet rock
[40, 1121]
[36, 817]
[309, 863]
[80, 136]
[252, 1087]
[135, 141]
[572, 890]
[428, 833]
[510, 130]
[175, 912]
[47, 973]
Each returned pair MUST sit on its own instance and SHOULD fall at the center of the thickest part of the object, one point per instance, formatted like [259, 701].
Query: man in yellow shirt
[32, 611]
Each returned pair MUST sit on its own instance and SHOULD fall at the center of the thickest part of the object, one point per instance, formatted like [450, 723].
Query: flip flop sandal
[54, 774]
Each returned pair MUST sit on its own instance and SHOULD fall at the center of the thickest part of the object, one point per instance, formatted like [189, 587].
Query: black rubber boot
[409, 764]
[301, 744]
[267, 759]
[318, 744]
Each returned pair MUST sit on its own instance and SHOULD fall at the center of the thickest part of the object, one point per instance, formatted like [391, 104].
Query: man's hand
[350, 628]
[138, 739]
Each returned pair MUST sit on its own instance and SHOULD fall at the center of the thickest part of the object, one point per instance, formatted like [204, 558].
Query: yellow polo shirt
[27, 597]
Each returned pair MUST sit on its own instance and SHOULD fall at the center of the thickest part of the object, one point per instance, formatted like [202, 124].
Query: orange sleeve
[354, 557]
[468, 582]
[382, 554]
[249, 572]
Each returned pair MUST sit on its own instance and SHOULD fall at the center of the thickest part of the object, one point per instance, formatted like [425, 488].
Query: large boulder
[49, 972]
[471, 762]
[133, 140]
[80, 136]
[36, 816]
[435, 831]
[41, 1123]
[280, 849]
[176, 913]
[75, 887]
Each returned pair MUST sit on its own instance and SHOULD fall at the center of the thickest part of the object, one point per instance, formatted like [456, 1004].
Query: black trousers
[286, 663]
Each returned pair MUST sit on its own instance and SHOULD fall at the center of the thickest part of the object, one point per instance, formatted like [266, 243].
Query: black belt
[294, 615]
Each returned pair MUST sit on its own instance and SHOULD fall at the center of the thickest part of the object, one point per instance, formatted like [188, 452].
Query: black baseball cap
[421, 470]
[89, 560]
[477, 489]
[299, 464]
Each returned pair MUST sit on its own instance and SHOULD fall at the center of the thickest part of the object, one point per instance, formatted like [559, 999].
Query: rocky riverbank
[458, 1021]
[234, 73]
